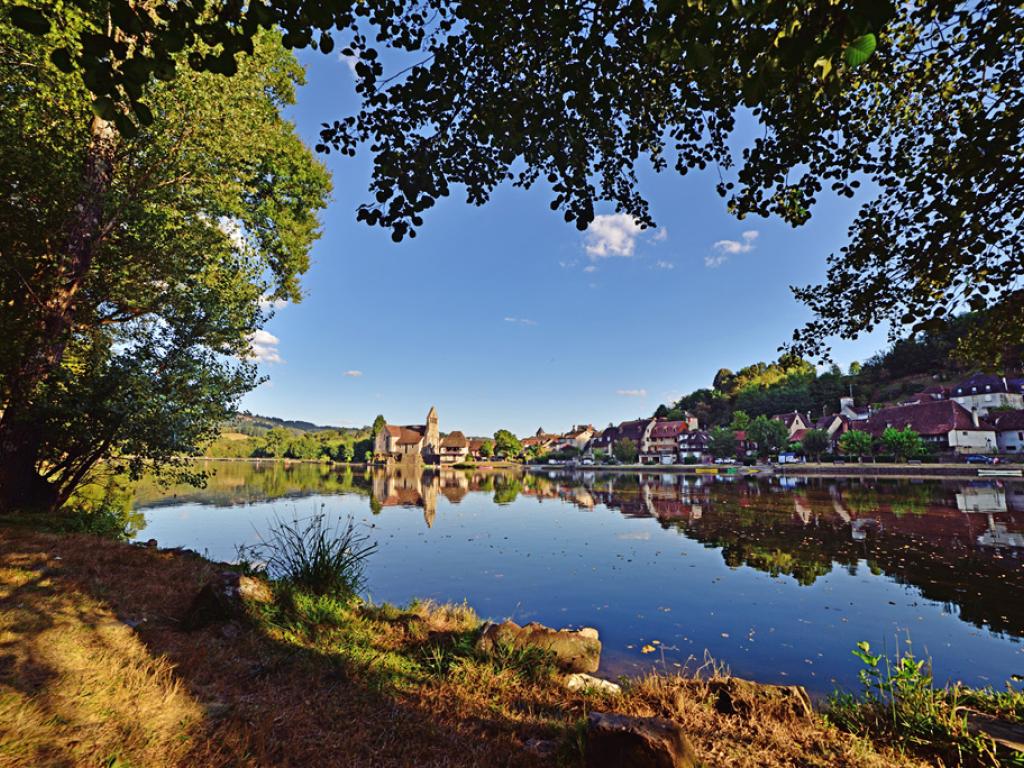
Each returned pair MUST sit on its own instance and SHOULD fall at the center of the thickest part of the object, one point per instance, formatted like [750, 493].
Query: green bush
[314, 555]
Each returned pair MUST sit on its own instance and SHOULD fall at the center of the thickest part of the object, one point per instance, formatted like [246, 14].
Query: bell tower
[432, 443]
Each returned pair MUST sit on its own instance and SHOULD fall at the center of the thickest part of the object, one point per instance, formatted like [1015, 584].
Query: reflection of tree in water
[242, 482]
[911, 533]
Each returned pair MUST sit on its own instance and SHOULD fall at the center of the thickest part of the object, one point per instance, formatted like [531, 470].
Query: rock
[736, 696]
[618, 741]
[1009, 736]
[543, 748]
[582, 682]
[573, 650]
[226, 597]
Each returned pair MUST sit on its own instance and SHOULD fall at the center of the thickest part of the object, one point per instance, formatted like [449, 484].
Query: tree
[771, 435]
[506, 444]
[903, 443]
[857, 443]
[130, 292]
[855, 368]
[815, 442]
[625, 450]
[722, 443]
[740, 421]
[378, 424]
[487, 448]
[923, 100]
[346, 452]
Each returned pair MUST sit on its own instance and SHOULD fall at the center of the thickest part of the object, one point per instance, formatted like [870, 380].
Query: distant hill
[255, 425]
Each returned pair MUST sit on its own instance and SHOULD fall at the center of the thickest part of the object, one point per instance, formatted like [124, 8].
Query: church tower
[432, 443]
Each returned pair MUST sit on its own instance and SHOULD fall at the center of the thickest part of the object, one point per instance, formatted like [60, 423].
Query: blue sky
[505, 316]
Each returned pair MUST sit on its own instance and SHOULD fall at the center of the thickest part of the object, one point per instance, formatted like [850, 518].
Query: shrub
[899, 704]
[316, 554]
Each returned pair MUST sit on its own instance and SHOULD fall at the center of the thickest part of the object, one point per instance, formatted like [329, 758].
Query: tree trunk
[21, 434]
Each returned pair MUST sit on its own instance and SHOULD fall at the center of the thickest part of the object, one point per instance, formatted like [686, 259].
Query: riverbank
[98, 669]
[800, 469]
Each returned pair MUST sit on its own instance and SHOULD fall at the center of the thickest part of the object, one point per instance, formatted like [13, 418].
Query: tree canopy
[914, 106]
[142, 348]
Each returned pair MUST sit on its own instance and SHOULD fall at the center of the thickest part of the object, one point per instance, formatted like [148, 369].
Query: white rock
[581, 681]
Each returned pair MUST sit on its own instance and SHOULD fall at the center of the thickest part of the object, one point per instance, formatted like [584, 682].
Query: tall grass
[316, 554]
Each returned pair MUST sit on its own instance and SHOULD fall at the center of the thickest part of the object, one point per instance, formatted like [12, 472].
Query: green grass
[900, 705]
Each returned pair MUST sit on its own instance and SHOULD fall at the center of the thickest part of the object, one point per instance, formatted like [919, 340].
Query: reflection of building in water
[407, 487]
[998, 535]
[454, 486]
[984, 498]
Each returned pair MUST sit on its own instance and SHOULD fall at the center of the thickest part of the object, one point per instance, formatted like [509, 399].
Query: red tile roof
[937, 417]
[1005, 422]
[797, 436]
[667, 429]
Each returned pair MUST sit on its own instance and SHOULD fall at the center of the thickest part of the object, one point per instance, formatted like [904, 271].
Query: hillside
[790, 383]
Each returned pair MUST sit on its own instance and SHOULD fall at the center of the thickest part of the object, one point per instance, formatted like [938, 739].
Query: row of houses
[983, 414]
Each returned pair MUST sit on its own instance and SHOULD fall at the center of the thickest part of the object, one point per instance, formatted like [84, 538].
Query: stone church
[409, 443]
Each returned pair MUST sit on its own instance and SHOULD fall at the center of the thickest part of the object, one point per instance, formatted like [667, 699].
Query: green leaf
[30, 19]
[860, 50]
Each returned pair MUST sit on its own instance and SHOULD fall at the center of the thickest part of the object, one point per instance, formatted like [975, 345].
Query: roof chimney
[974, 417]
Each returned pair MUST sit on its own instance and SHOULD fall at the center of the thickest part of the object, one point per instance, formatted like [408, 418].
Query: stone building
[409, 443]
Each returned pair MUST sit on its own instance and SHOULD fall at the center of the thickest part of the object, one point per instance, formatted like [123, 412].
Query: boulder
[228, 596]
[1007, 736]
[619, 741]
[736, 696]
[581, 681]
[573, 650]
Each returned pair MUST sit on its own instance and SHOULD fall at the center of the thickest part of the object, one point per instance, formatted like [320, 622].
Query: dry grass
[313, 683]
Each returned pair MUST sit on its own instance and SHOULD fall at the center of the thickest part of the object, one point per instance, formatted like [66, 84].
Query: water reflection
[777, 576]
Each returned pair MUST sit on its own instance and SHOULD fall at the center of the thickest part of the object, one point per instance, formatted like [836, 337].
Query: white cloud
[590, 268]
[267, 303]
[353, 374]
[662, 264]
[660, 235]
[631, 392]
[264, 347]
[726, 248]
[520, 320]
[611, 235]
[568, 264]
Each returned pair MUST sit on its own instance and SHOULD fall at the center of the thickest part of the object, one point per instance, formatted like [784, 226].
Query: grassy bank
[96, 669]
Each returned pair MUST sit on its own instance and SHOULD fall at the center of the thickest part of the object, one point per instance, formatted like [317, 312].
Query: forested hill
[788, 384]
[256, 426]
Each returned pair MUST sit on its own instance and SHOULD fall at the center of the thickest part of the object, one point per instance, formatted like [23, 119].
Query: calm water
[777, 578]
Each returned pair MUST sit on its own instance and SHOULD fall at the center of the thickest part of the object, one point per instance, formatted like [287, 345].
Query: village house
[796, 422]
[944, 424]
[628, 430]
[541, 442]
[835, 425]
[476, 448]
[454, 448]
[1009, 431]
[983, 391]
[693, 444]
[853, 412]
[660, 443]
[409, 443]
[578, 437]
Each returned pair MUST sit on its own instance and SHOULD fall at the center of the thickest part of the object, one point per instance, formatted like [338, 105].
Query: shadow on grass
[298, 686]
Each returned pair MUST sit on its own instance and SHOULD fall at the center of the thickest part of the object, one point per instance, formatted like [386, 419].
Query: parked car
[587, 462]
[978, 458]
